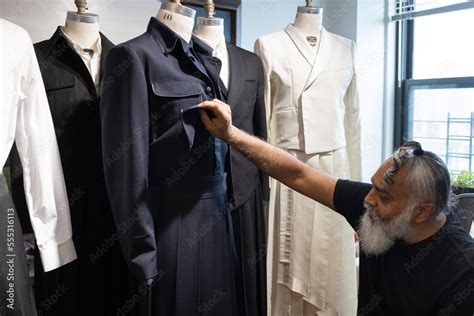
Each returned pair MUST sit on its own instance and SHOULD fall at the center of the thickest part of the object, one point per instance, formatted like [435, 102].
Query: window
[435, 78]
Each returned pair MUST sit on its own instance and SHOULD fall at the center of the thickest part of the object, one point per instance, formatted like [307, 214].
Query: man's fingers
[215, 107]
[209, 105]
[205, 118]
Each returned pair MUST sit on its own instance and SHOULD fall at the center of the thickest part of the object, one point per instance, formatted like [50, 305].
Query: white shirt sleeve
[45, 189]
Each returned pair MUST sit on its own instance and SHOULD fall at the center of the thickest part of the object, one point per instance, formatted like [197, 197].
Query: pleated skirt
[250, 241]
[196, 252]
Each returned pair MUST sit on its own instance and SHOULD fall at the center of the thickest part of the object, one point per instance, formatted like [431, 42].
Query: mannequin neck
[211, 34]
[178, 23]
[84, 34]
[309, 24]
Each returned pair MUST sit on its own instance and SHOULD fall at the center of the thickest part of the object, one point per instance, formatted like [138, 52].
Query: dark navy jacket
[149, 92]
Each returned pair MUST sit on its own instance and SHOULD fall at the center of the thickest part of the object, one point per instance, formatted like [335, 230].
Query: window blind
[410, 9]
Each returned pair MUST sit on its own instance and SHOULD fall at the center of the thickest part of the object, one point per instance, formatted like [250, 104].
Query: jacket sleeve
[44, 187]
[125, 140]
[260, 125]
[352, 125]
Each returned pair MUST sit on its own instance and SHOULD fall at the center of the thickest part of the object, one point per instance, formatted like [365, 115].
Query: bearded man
[416, 259]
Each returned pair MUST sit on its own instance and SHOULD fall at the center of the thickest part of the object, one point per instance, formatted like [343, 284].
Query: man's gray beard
[377, 236]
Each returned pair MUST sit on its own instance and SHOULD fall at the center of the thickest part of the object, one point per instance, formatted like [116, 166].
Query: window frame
[405, 83]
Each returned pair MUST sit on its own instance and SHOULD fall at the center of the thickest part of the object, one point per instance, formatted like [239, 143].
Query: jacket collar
[59, 39]
[301, 43]
[64, 53]
[316, 62]
[322, 58]
[166, 38]
[201, 47]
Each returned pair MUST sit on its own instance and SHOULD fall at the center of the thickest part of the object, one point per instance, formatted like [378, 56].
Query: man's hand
[273, 161]
[220, 123]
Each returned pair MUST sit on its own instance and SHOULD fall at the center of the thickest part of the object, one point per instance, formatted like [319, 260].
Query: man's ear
[424, 212]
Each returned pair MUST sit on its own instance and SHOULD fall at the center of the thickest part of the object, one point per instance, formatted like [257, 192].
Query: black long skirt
[250, 241]
[16, 293]
[196, 253]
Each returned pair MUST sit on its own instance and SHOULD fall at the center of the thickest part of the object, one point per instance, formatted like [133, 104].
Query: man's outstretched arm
[270, 159]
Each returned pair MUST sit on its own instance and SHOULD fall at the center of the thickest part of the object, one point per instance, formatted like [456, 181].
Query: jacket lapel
[321, 58]
[237, 78]
[107, 45]
[74, 62]
[300, 43]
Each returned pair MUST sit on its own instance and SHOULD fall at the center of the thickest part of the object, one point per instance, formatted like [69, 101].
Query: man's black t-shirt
[432, 277]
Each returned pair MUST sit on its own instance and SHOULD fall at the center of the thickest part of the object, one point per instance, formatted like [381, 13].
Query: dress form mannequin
[211, 31]
[309, 22]
[82, 27]
[178, 18]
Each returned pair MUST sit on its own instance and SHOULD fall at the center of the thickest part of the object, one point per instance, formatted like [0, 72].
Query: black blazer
[246, 98]
[74, 106]
[151, 86]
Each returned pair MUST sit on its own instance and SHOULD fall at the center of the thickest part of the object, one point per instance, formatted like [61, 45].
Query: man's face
[389, 214]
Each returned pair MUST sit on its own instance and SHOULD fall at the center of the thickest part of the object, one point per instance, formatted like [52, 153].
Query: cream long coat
[313, 113]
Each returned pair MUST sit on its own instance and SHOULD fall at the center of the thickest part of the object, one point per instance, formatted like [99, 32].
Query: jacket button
[208, 89]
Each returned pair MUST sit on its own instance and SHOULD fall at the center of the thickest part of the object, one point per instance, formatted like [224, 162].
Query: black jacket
[151, 85]
[74, 106]
[246, 98]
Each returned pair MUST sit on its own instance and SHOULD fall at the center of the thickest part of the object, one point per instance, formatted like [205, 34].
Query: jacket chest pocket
[175, 96]
[62, 97]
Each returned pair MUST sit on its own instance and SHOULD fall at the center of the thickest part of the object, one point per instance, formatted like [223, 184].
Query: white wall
[359, 20]
[120, 20]
[371, 60]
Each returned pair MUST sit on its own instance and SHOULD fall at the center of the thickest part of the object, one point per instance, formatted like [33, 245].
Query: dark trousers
[16, 294]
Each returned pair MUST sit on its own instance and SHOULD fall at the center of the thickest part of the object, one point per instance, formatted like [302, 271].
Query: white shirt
[25, 118]
[91, 58]
[221, 53]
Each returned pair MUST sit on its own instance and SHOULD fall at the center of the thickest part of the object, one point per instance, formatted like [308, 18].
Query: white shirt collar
[96, 48]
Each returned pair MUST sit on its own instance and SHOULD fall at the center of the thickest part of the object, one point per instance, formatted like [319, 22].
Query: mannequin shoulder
[247, 56]
[140, 46]
[341, 41]
[272, 39]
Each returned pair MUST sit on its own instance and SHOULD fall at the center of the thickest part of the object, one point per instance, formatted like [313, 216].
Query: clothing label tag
[168, 16]
[312, 40]
[88, 51]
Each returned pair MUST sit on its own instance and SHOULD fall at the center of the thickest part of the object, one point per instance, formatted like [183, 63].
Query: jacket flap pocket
[176, 89]
[67, 82]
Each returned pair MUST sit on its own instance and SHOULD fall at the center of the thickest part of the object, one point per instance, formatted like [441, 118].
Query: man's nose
[370, 198]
